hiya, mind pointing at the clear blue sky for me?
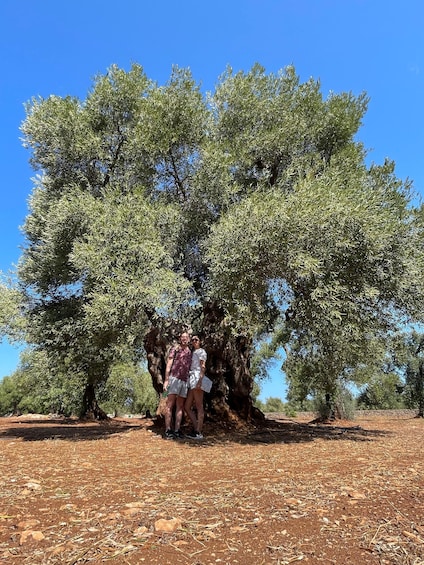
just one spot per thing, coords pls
(53, 47)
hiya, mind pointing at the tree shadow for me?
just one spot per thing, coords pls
(268, 431)
(277, 432)
(64, 429)
(298, 432)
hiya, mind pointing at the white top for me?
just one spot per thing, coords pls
(197, 356)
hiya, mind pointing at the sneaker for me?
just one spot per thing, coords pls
(169, 434)
(195, 435)
(178, 434)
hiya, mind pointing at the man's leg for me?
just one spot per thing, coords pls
(170, 402)
(179, 412)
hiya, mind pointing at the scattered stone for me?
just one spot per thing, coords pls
(27, 524)
(356, 495)
(132, 511)
(142, 530)
(32, 485)
(36, 535)
(168, 525)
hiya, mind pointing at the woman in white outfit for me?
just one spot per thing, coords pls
(195, 392)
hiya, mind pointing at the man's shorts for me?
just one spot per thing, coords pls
(177, 386)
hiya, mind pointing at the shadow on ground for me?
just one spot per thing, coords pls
(64, 429)
(277, 431)
(266, 432)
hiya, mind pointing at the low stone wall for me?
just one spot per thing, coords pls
(401, 413)
(358, 414)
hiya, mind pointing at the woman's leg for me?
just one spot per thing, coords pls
(198, 400)
(188, 408)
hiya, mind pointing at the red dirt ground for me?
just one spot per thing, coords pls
(286, 492)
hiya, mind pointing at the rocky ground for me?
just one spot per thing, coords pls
(285, 492)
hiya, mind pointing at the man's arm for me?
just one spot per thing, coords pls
(168, 368)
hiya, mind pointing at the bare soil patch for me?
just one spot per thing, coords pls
(284, 492)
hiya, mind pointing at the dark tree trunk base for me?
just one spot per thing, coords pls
(90, 409)
(98, 415)
(160, 410)
(227, 365)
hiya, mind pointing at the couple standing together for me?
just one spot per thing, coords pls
(184, 373)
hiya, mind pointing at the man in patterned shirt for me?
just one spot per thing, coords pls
(176, 384)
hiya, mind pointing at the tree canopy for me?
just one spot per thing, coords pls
(248, 214)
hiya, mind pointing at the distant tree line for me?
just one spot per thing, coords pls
(34, 388)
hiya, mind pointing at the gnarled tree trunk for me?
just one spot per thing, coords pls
(227, 365)
(90, 407)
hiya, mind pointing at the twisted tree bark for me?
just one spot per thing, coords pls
(228, 364)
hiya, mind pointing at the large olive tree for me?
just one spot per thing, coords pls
(238, 213)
